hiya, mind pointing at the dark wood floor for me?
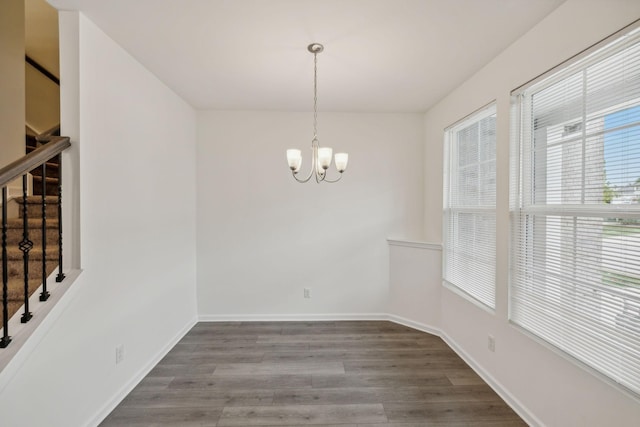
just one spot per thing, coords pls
(311, 373)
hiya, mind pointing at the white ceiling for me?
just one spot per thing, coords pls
(380, 55)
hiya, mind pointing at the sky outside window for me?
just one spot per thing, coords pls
(622, 147)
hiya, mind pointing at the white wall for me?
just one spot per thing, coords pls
(137, 197)
(414, 294)
(554, 390)
(42, 101)
(262, 237)
(11, 81)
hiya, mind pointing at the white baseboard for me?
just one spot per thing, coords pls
(509, 398)
(514, 403)
(139, 376)
(290, 317)
(414, 325)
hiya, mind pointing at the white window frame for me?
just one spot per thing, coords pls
(530, 300)
(478, 288)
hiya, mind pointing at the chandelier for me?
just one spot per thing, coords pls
(320, 156)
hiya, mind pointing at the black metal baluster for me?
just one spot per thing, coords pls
(60, 277)
(44, 295)
(25, 246)
(6, 339)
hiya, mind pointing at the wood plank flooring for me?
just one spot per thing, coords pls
(347, 374)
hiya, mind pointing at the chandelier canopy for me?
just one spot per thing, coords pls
(320, 156)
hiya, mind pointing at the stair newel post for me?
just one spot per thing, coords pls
(60, 277)
(6, 339)
(44, 295)
(25, 246)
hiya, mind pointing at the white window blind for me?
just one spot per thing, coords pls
(470, 206)
(575, 260)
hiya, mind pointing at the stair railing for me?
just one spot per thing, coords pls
(9, 173)
(35, 64)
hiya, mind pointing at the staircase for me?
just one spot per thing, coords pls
(34, 215)
(53, 167)
(42, 163)
(15, 255)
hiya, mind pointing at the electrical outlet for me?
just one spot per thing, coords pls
(119, 353)
(307, 293)
(491, 343)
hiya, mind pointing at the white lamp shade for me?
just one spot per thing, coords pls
(341, 161)
(324, 157)
(294, 158)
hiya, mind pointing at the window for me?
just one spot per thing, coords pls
(470, 206)
(575, 210)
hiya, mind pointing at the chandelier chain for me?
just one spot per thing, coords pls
(315, 95)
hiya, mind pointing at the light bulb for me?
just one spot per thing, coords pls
(341, 161)
(294, 158)
(324, 157)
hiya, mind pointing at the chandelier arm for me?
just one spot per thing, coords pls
(332, 181)
(314, 160)
(302, 180)
(305, 179)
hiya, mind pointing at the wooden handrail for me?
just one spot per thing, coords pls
(35, 64)
(40, 155)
